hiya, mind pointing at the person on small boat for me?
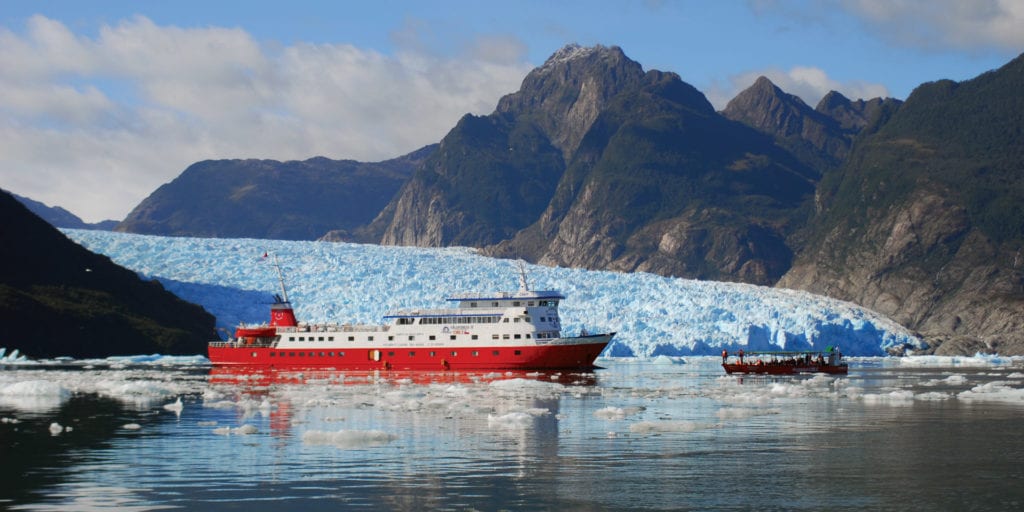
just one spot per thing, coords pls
(725, 355)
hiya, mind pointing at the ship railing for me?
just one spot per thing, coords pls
(241, 344)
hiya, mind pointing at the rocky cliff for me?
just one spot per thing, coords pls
(925, 221)
(58, 299)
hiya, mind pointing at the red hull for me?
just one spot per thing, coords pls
(543, 357)
(784, 369)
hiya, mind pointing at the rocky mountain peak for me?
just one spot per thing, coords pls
(767, 108)
(565, 94)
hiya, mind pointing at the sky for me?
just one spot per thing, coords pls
(101, 102)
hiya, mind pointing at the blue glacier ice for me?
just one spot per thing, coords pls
(355, 283)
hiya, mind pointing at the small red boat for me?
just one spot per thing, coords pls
(786, 363)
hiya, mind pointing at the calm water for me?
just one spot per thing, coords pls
(637, 435)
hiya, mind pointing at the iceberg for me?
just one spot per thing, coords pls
(358, 283)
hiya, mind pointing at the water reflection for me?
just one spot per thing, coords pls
(633, 436)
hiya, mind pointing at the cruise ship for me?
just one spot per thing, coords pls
(518, 330)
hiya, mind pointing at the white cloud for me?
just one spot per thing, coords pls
(808, 83)
(96, 124)
(942, 24)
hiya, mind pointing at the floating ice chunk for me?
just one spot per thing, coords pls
(512, 420)
(33, 395)
(993, 392)
(666, 360)
(933, 396)
(657, 427)
(952, 380)
(131, 426)
(56, 429)
(739, 413)
(244, 430)
(175, 407)
(348, 439)
(898, 397)
(12, 421)
(616, 413)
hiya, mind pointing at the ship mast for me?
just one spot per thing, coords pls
(523, 284)
(280, 279)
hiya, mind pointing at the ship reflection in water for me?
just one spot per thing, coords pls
(636, 435)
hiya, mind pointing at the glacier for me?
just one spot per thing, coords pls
(357, 283)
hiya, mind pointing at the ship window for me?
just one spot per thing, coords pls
(516, 304)
(519, 352)
(302, 338)
(291, 354)
(412, 338)
(475, 353)
(527, 319)
(391, 353)
(494, 352)
(291, 338)
(321, 354)
(504, 320)
(369, 338)
(272, 354)
(330, 338)
(412, 354)
(311, 354)
(494, 304)
(341, 354)
(529, 303)
(518, 336)
(474, 337)
(516, 320)
(391, 338)
(254, 354)
(472, 304)
(454, 353)
(351, 338)
(527, 335)
(302, 354)
(453, 336)
(494, 336)
(330, 354)
(321, 338)
(432, 337)
(504, 336)
(432, 353)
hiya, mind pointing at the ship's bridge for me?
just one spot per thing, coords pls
(521, 298)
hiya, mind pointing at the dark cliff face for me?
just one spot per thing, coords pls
(58, 299)
(925, 221)
(270, 199)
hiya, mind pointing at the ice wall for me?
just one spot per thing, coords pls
(355, 283)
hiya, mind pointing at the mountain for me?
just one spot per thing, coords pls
(819, 137)
(294, 200)
(596, 163)
(61, 218)
(58, 299)
(925, 220)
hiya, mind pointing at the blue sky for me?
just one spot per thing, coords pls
(103, 101)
